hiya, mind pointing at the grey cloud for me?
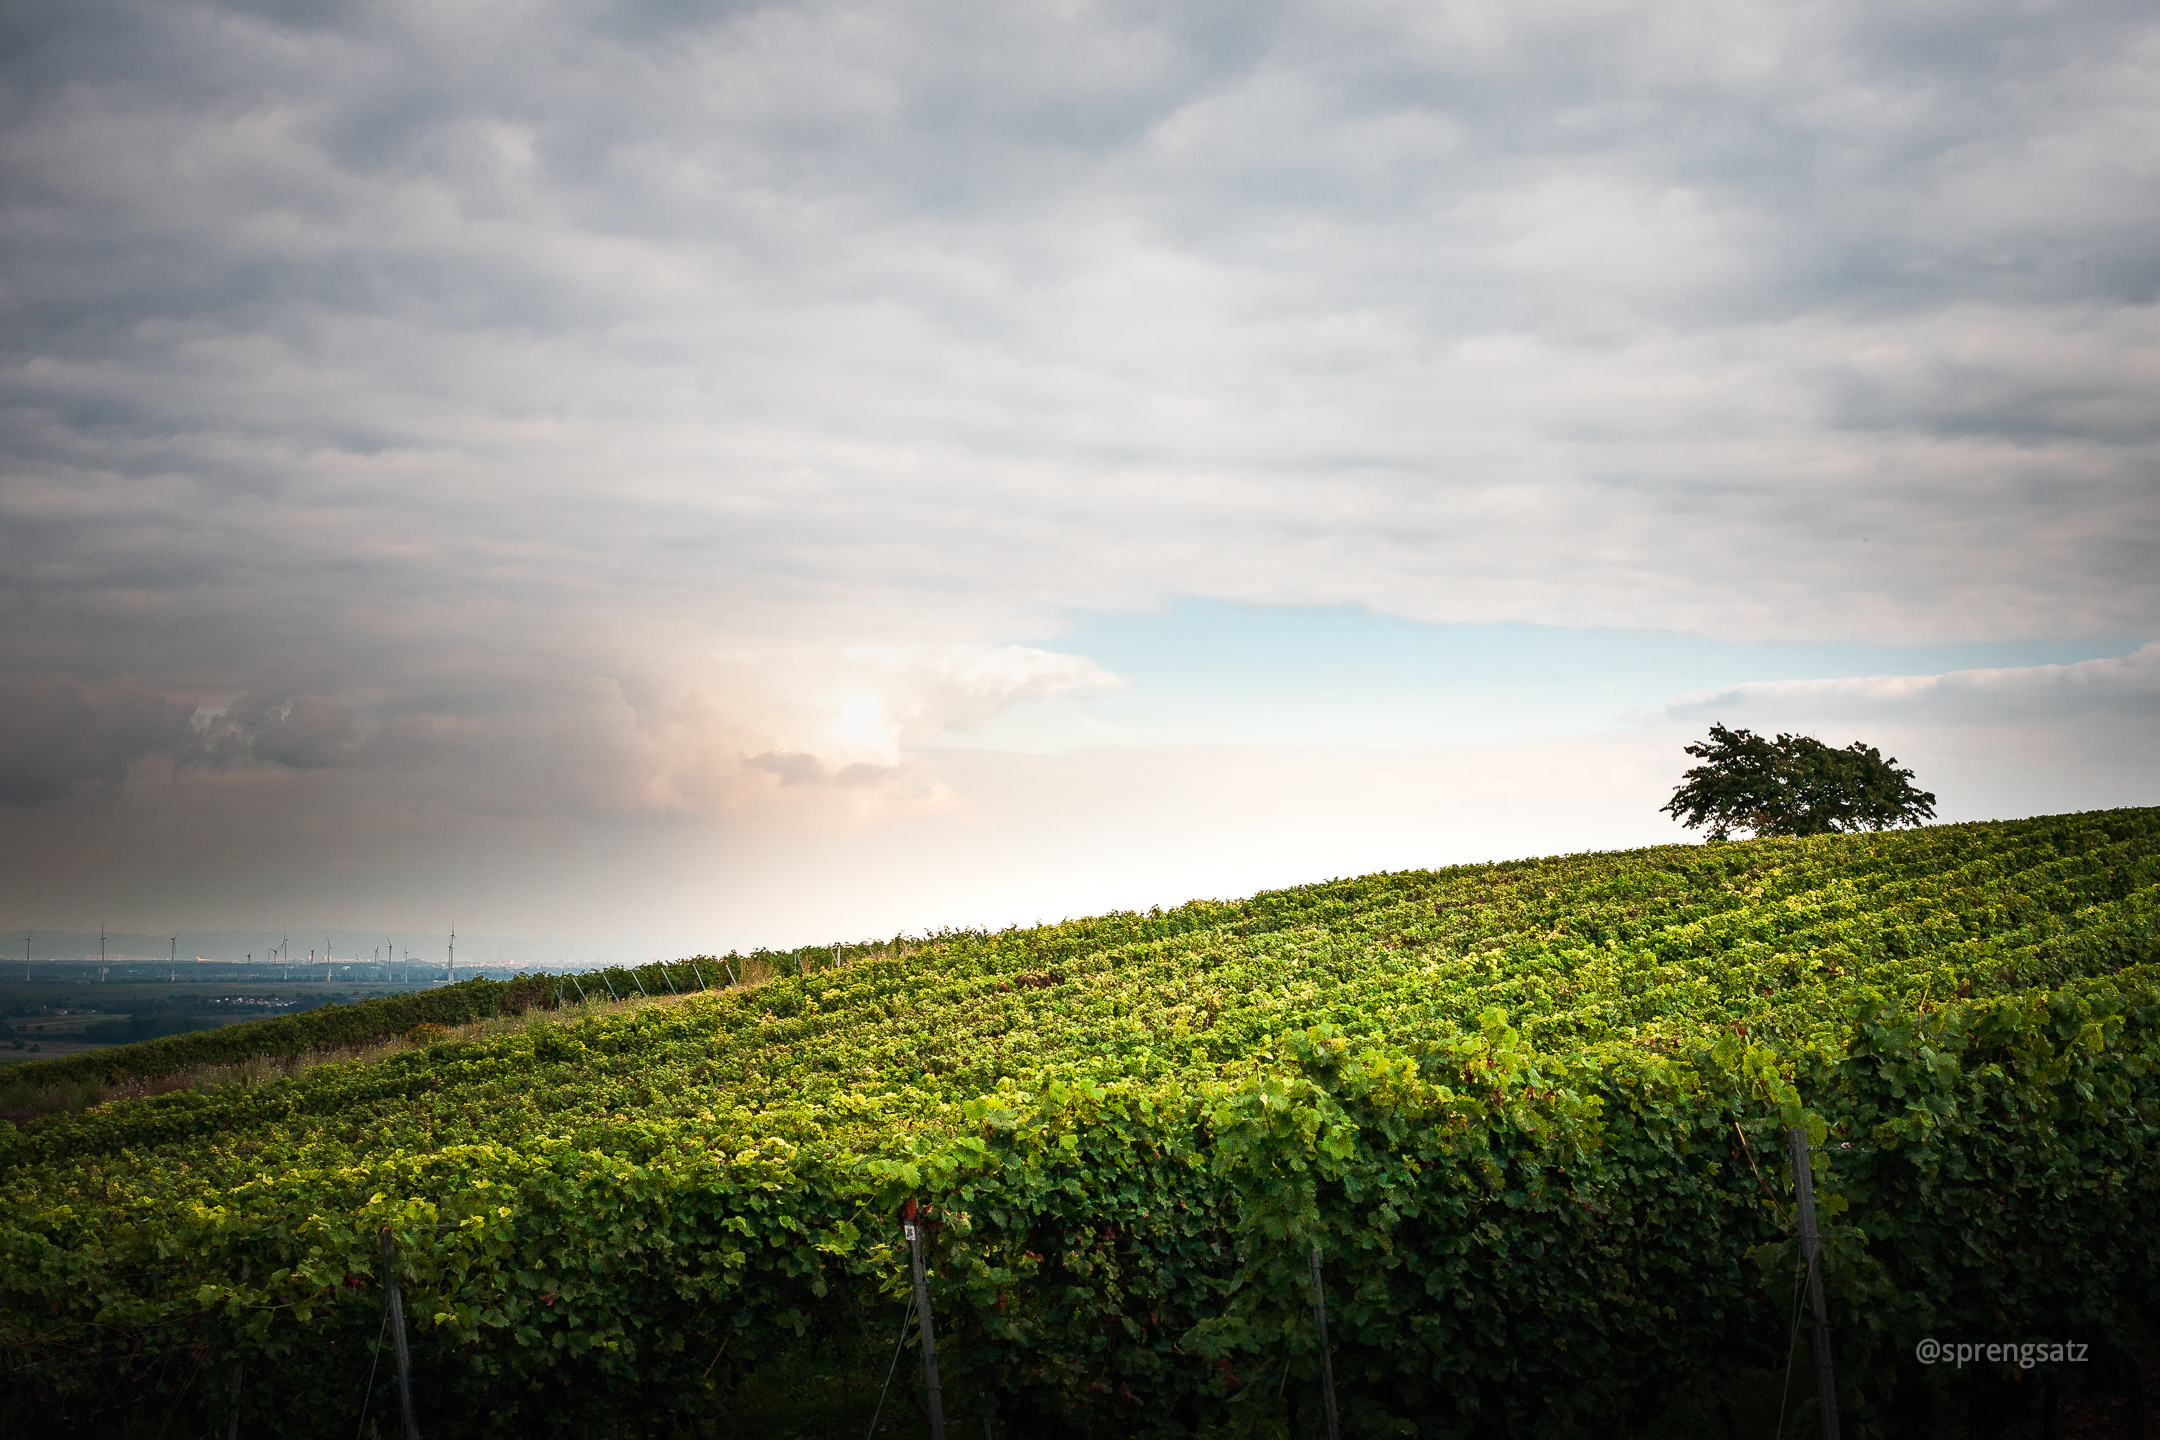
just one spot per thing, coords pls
(792, 769)
(61, 736)
(305, 732)
(477, 378)
(2128, 687)
(800, 769)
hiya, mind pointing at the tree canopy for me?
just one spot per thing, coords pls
(1793, 785)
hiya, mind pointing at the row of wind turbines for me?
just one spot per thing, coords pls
(282, 956)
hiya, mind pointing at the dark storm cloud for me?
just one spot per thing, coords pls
(551, 406)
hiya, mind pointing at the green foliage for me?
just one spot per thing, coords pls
(1531, 1114)
(1793, 785)
(331, 1027)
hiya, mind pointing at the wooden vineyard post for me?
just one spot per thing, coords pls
(1811, 1248)
(1327, 1361)
(394, 1299)
(929, 1332)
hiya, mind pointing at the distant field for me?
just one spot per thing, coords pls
(46, 1019)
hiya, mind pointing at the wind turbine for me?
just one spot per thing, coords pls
(172, 963)
(451, 974)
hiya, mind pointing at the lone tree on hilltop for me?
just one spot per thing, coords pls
(1793, 785)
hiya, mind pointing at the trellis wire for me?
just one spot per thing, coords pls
(367, 1396)
(1792, 1343)
(893, 1368)
(1327, 1362)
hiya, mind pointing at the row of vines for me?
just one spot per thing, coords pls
(1530, 1114)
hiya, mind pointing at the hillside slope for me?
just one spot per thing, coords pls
(1515, 1105)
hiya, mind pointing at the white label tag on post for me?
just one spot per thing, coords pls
(909, 1231)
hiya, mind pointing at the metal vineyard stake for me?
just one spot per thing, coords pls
(395, 1300)
(929, 1331)
(1327, 1362)
(1811, 1247)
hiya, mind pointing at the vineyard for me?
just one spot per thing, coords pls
(1530, 1115)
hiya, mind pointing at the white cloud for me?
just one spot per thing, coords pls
(868, 708)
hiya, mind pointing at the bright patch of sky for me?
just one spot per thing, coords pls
(1208, 671)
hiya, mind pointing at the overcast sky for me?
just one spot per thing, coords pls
(702, 475)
